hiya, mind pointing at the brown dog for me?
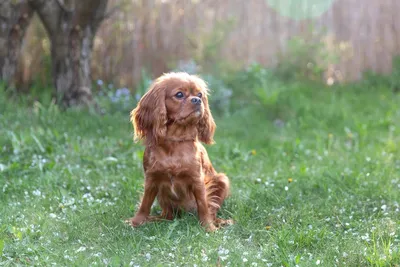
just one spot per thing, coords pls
(173, 118)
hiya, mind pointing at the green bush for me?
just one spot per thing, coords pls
(257, 85)
(305, 59)
(373, 81)
(395, 75)
(112, 100)
(221, 94)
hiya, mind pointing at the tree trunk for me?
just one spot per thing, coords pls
(71, 26)
(15, 17)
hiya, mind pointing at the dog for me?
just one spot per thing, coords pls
(173, 119)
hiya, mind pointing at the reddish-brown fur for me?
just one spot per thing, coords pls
(176, 165)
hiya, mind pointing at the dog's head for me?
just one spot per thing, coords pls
(177, 99)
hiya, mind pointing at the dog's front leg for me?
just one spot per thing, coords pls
(150, 193)
(199, 193)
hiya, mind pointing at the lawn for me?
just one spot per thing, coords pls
(315, 181)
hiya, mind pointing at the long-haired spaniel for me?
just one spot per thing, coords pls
(173, 119)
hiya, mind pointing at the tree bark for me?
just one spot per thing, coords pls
(71, 26)
(15, 17)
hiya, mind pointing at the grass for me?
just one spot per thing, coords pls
(315, 181)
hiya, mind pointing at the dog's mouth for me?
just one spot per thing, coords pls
(197, 113)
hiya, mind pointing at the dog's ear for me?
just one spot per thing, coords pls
(149, 118)
(206, 126)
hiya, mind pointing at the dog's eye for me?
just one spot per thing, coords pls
(200, 95)
(179, 95)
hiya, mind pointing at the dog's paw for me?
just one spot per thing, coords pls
(136, 221)
(211, 228)
(222, 222)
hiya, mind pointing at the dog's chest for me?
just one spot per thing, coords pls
(176, 192)
(175, 172)
(175, 163)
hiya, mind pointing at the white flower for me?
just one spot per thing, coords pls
(245, 260)
(222, 251)
(37, 193)
(318, 262)
(148, 256)
(2, 168)
(88, 197)
(52, 215)
(133, 264)
(81, 249)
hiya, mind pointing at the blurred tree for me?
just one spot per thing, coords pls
(71, 26)
(15, 16)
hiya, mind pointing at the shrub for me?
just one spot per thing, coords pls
(256, 84)
(221, 94)
(395, 75)
(111, 99)
(372, 81)
(313, 57)
(304, 59)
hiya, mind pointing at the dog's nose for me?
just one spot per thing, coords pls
(196, 100)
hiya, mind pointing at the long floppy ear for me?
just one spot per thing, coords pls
(206, 126)
(149, 118)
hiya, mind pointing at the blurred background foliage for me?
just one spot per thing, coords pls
(247, 51)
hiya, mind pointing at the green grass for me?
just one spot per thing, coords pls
(69, 179)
